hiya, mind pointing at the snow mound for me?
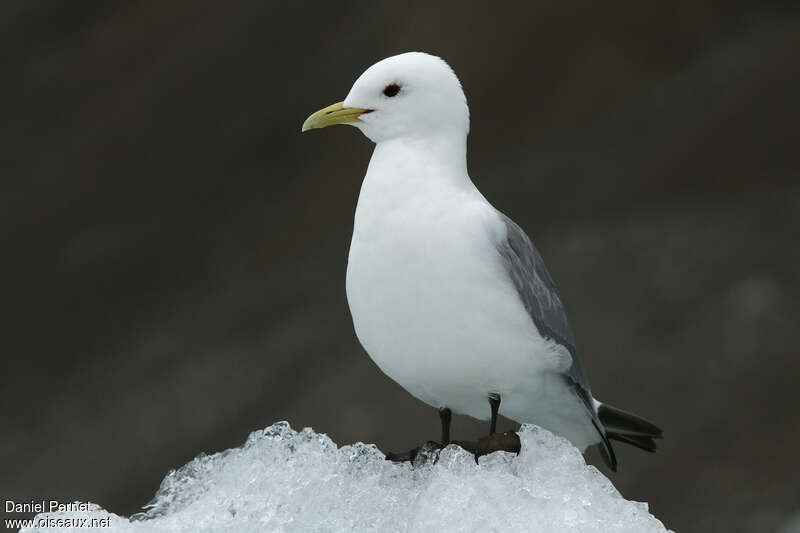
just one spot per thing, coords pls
(289, 481)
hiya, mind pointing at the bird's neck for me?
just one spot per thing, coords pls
(421, 162)
(411, 181)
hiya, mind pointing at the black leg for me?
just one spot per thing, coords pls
(508, 441)
(429, 451)
(494, 402)
(445, 415)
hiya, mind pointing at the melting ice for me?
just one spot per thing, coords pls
(299, 481)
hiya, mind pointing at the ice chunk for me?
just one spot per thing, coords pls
(289, 481)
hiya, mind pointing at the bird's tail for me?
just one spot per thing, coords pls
(626, 427)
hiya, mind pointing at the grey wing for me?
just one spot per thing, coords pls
(538, 293)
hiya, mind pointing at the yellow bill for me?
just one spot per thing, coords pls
(333, 114)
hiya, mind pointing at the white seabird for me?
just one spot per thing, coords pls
(448, 295)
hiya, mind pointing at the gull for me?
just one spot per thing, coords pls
(448, 296)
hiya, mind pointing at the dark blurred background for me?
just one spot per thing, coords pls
(174, 249)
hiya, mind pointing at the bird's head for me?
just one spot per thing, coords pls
(407, 95)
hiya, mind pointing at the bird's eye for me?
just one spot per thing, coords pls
(391, 90)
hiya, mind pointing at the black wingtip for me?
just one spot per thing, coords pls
(606, 450)
(643, 443)
(624, 423)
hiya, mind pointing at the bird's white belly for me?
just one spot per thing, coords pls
(434, 309)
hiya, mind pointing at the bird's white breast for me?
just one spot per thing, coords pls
(430, 300)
